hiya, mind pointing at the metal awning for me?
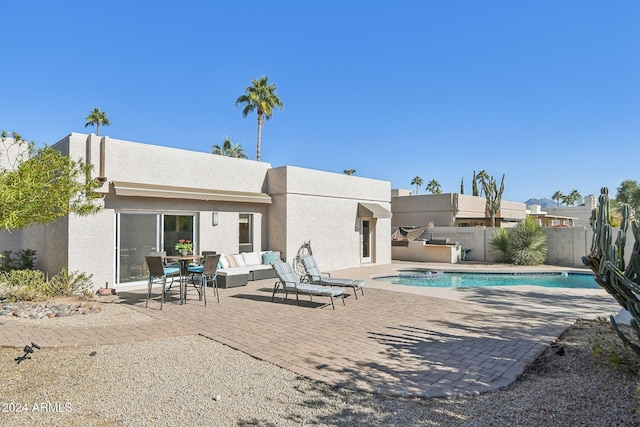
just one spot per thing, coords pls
(171, 192)
(372, 210)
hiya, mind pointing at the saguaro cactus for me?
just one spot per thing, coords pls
(606, 260)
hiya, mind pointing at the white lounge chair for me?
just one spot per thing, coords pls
(290, 282)
(316, 277)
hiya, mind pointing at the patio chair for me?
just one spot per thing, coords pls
(158, 273)
(208, 273)
(166, 264)
(290, 282)
(316, 277)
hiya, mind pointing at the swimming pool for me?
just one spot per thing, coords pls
(432, 279)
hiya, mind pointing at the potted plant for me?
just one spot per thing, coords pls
(184, 247)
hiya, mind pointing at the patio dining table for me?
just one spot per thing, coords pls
(184, 264)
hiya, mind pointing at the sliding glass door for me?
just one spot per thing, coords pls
(138, 234)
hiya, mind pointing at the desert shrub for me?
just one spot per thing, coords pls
(529, 243)
(24, 260)
(73, 283)
(524, 244)
(32, 285)
(500, 240)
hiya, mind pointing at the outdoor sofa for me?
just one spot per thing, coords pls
(237, 269)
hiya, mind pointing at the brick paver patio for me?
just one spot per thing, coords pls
(411, 343)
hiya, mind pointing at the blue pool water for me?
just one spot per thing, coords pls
(475, 280)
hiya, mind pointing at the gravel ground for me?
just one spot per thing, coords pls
(195, 381)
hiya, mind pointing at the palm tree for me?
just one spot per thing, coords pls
(349, 171)
(575, 197)
(229, 149)
(417, 181)
(557, 196)
(261, 97)
(434, 187)
(97, 118)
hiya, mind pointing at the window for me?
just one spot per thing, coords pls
(245, 233)
(138, 234)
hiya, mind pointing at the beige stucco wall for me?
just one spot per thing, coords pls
(421, 210)
(322, 207)
(420, 252)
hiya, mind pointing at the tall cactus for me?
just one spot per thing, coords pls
(606, 260)
(494, 197)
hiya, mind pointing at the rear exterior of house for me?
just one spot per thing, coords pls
(153, 196)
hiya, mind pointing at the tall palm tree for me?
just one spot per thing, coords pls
(575, 197)
(349, 171)
(417, 181)
(434, 187)
(260, 96)
(97, 118)
(229, 149)
(557, 196)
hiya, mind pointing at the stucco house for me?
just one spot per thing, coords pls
(450, 210)
(153, 195)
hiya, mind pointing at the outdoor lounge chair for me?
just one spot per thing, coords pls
(158, 273)
(316, 277)
(290, 282)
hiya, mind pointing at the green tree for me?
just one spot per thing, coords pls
(417, 181)
(434, 187)
(558, 196)
(462, 186)
(42, 185)
(474, 185)
(349, 171)
(575, 197)
(629, 192)
(493, 194)
(229, 149)
(97, 118)
(260, 96)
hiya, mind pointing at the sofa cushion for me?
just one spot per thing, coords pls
(224, 262)
(235, 260)
(233, 271)
(251, 258)
(270, 257)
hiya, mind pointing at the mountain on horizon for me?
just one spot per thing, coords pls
(545, 203)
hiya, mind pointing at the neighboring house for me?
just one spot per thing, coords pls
(546, 219)
(450, 210)
(581, 214)
(153, 196)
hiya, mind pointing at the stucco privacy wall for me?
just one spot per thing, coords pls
(322, 207)
(566, 245)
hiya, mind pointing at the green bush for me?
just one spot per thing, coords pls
(501, 241)
(31, 285)
(524, 244)
(24, 260)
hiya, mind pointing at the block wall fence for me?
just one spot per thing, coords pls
(566, 246)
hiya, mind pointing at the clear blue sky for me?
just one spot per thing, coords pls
(547, 92)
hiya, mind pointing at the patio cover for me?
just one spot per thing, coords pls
(372, 210)
(170, 192)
